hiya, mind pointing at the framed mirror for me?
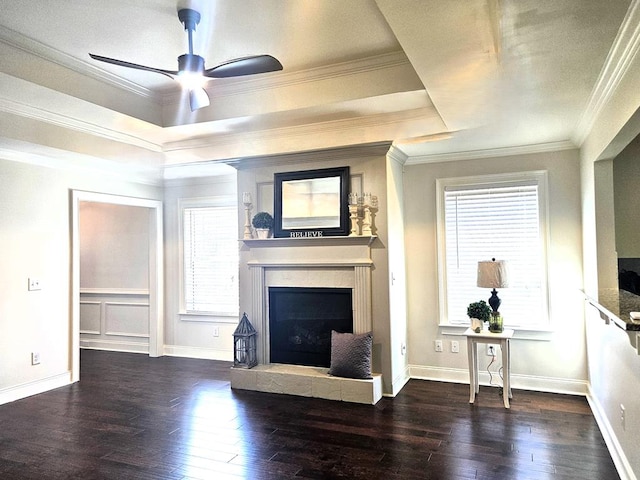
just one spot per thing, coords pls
(312, 203)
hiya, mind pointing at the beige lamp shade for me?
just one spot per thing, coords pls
(493, 274)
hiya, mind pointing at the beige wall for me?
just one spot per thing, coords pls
(195, 337)
(555, 362)
(35, 242)
(114, 246)
(626, 174)
(114, 276)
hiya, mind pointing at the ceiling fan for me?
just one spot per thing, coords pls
(191, 72)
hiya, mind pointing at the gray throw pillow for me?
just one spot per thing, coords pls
(351, 355)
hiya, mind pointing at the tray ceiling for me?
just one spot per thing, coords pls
(437, 78)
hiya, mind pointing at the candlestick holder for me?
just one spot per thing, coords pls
(373, 209)
(353, 216)
(246, 200)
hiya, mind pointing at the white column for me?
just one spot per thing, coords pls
(258, 315)
(362, 321)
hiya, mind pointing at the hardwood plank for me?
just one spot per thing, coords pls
(135, 417)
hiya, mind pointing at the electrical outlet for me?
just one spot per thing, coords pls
(622, 416)
(403, 349)
(216, 331)
(455, 346)
(492, 350)
(438, 345)
(35, 358)
(34, 284)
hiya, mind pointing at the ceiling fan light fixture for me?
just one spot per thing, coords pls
(198, 98)
(190, 63)
(191, 72)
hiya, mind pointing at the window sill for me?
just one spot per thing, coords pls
(207, 317)
(539, 334)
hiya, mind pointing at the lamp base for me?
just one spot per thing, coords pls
(495, 323)
(494, 301)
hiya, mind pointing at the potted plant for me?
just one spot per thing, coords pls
(479, 311)
(263, 223)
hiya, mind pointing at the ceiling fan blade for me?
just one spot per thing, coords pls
(122, 63)
(198, 98)
(244, 66)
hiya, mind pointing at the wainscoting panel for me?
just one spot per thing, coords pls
(114, 319)
(90, 315)
(130, 319)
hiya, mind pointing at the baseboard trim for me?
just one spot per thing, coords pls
(18, 392)
(523, 382)
(198, 352)
(398, 383)
(115, 346)
(615, 449)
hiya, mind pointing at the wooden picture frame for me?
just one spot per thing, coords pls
(311, 203)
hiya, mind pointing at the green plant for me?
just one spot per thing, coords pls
(479, 310)
(262, 220)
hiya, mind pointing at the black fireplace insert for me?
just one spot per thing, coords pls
(301, 320)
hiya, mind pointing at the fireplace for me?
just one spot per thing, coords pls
(325, 264)
(301, 321)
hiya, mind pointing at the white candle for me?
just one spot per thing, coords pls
(246, 197)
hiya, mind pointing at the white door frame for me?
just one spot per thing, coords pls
(156, 271)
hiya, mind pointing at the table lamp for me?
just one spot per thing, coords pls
(493, 274)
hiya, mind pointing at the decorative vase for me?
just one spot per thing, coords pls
(476, 325)
(262, 232)
(495, 323)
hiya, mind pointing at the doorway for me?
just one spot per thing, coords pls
(155, 269)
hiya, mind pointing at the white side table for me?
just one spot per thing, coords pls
(485, 336)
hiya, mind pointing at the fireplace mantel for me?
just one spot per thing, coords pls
(310, 241)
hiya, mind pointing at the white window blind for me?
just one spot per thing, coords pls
(210, 260)
(501, 221)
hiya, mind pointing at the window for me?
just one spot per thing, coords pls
(502, 217)
(210, 257)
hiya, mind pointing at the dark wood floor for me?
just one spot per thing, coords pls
(134, 417)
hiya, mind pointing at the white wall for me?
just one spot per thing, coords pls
(553, 364)
(35, 242)
(397, 275)
(614, 366)
(613, 361)
(184, 336)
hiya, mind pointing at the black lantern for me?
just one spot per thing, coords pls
(244, 344)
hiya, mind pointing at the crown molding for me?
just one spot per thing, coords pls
(621, 55)
(337, 153)
(59, 120)
(397, 156)
(25, 44)
(492, 152)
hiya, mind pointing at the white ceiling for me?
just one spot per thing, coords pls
(441, 78)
